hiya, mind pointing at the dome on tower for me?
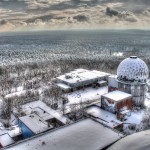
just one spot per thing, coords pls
(133, 69)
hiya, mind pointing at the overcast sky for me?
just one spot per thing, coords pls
(73, 14)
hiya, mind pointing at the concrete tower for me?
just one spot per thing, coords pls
(132, 75)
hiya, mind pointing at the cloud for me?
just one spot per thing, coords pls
(53, 14)
(111, 12)
(5, 25)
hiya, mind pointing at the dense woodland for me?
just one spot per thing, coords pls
(23, 82)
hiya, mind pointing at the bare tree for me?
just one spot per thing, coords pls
(7, 110)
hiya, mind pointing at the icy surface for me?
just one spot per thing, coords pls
(133, 69)
(84, 135)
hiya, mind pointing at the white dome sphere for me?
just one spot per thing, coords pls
(133, 69)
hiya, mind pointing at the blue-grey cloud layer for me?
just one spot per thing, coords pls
(53, 14)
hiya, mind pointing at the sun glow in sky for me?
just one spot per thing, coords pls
(18, 15)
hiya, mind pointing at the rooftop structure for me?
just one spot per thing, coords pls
(117, 102)
(132, 75)
(80, 78)
(34, 123)
(5, 140)
(43, 111)
(117, 96)
(86, 135)
(104, 117)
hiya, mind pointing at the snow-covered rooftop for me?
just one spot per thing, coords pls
(14, 131)
(117, 95)
(52, 113)
(6, 140)
(35, 123)
(81, 75)
(103, 116)
(84, 135)
(42, 113)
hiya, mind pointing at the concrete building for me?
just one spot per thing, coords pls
(132, 75)
(81, 78)
(38, 118)
(33, 124)
(86, 134)
(117, 102)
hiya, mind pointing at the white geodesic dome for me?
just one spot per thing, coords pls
(133, 69)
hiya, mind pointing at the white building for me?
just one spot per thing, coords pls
(80, 78)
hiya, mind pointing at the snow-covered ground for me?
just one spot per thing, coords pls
(86, 95)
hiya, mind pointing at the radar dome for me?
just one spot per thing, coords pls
(133, 69)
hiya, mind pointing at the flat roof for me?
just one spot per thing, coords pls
(29, 107)
(103, 116)
(35, 123)
(63, 86)
(117, 95)
(42, 113)
(80, 75)
(6, 140)
(83, 135)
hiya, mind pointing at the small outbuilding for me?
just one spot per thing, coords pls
(117, 102)
(5, 140)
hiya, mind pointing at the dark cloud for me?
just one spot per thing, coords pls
(81, 18)
(111, 12)
(3, 22)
